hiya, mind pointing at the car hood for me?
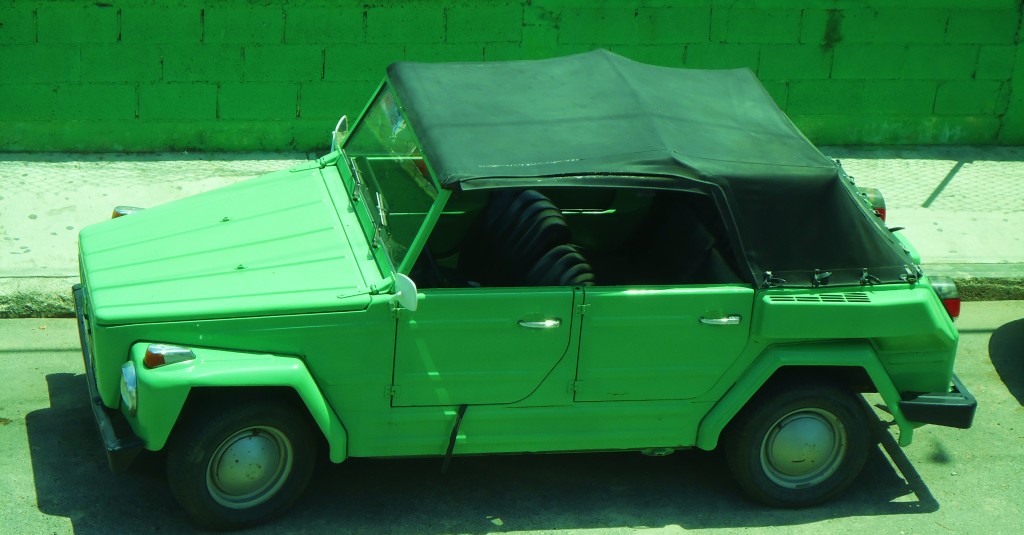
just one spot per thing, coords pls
(275, 244)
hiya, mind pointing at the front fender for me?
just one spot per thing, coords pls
(162, 391)
(844, 354)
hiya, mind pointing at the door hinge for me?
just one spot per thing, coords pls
(391, 391)
(396, 311)
(582, 309)
(575, 386)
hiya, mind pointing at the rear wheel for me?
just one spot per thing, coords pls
(237, 464)
(798, 446)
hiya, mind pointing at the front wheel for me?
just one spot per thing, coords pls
(237, 464)
(798, 446)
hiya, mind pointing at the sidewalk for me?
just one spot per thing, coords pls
(963, 208)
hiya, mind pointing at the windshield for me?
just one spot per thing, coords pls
(392, 181)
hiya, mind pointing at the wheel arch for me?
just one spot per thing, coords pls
(853, 364)
(165, 392)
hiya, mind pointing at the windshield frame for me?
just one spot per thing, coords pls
(370, 201)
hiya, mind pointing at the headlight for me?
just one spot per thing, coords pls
(129, 387)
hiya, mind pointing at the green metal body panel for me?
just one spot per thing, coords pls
(162, 391)
(833, 354)
(445, 353)
(212, 255)
(293, 234)
(642, 343)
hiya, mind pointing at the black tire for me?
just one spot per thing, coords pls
(796, 446)
(205, 462)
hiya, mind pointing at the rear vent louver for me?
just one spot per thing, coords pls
(853, 297)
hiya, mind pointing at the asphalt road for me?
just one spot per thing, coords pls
(54, 478)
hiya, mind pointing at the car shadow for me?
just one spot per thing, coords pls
(1006, 350)
(691, 489)
(72, 478)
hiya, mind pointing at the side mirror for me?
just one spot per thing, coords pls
(405, 292)
(340, 133)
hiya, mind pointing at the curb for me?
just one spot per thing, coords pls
(37, 297)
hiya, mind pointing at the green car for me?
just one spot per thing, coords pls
(574, 254)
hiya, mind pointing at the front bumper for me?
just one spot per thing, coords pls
(950, 409)
(121, 443)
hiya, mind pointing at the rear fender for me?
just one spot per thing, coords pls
(846, 354)
(162, 391)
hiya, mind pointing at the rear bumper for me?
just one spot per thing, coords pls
(121, 443)
(950, 409)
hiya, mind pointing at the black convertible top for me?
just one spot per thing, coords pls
(598, 113)
(601, 119)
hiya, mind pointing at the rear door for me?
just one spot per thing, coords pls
(656, 342)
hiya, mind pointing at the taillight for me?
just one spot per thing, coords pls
(123, 211)
(875, 198)
(948, 294)
(161, 355)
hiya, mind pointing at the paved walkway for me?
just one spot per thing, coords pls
(963, 208)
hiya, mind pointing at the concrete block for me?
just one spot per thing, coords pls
(77, 23)
(544, 12)
(821, 27)
(794, 62)
(668, 55)
(268, 101)
(95, 102)
(971, 97)
(324, 25)
(669, 25)
(292, 62)
(995, 62)
(856, 61)
(331, 100)
(203, 63)
(484, 24)
(599, 25)
(503, 52)
(119, 62)
(722, 56)
(433, 53)
(405, 23)
(779, 92)
(17, 23)
(360, 61)
(313, 135)
(772, 25)
(249, 24)
(159, 24)
(540, 41)
(177, 101)
(851, 25)
(250, 135)
(855, 97)
(27, 102)
(940, 62)
(39, 63)
(916, 25)
(975, 26)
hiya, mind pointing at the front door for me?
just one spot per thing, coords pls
(659, 343)
(479, 345)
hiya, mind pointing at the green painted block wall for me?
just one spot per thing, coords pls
(149, 75)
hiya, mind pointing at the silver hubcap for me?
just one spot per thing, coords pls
(803, 448)
(249, 467)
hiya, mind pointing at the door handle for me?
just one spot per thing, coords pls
(542, 324)
(728, 320)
